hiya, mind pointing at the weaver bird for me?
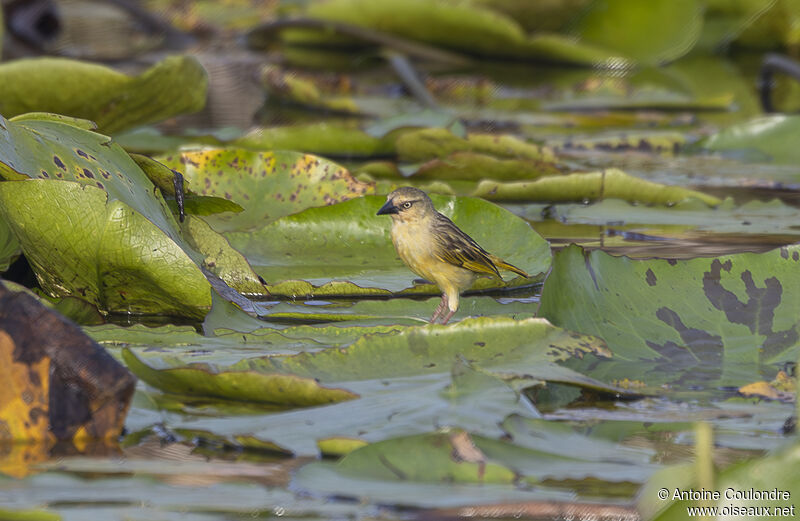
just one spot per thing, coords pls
(436, 249)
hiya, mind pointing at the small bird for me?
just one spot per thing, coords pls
(436, 249)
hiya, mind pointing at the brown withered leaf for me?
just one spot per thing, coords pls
(58, 384)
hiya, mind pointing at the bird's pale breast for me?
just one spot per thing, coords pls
(414, 243)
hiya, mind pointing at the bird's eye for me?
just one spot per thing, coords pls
(407, 205)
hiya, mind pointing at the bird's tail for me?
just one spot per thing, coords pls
(500, 263)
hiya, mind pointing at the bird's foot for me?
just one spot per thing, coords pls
(439, 309)
(448, 316)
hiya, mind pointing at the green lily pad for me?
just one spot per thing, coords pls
(220, 259)
(610, 183)
(290, 87)
(461, 27)
(770, 138)
(502, 344)
(446, 456)
(90, 224)
(113, 100)
(719, 320)
(753, 217)
(9, 246)
(248, 386)
(116, 258)
(347, 242)
(431, 143)
(329, 139)
(652, 33)
(268, 185)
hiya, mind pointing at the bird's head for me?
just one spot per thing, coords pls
(407, 204)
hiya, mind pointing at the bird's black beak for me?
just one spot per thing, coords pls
(388, 208)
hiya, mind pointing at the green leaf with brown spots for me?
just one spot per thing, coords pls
(345, 249)
(246, 385)
(91, 224)
(432, 143)
(704, 321)
(113, 100)
(268, 185)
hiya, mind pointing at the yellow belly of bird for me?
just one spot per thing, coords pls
(413, 243)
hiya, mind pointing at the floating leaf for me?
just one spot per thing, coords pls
(771, 138)
(268, 185)
(348, 241)
(446, 456)
(291, 87)
(329, 139)
(219, 258)
(243, 385)
(610, 183)
(431, 143)
(502, 344)
(701, 320)
(113, 100)
(456, 26)
(661, 31)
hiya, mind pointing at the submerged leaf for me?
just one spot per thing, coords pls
(238, 385)
(518, 348)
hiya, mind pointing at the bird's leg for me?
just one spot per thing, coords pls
(439, 309)
(449, 315)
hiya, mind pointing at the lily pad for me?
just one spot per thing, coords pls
(248, 386)
(501, 344)
(720, 320)
(652, 33)
(116, 259)
(90, 224)
(347, 242)
(448, 456)
(610, 183)
(115, 101)
(326, 138)
(753, 217)
(770, 138)
(268, 185)
(461, 27)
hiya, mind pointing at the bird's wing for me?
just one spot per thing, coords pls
(456, 247)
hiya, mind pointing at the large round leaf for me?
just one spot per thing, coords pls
(649, 32)
(268, 185)
(699, 320)
(348, 243)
